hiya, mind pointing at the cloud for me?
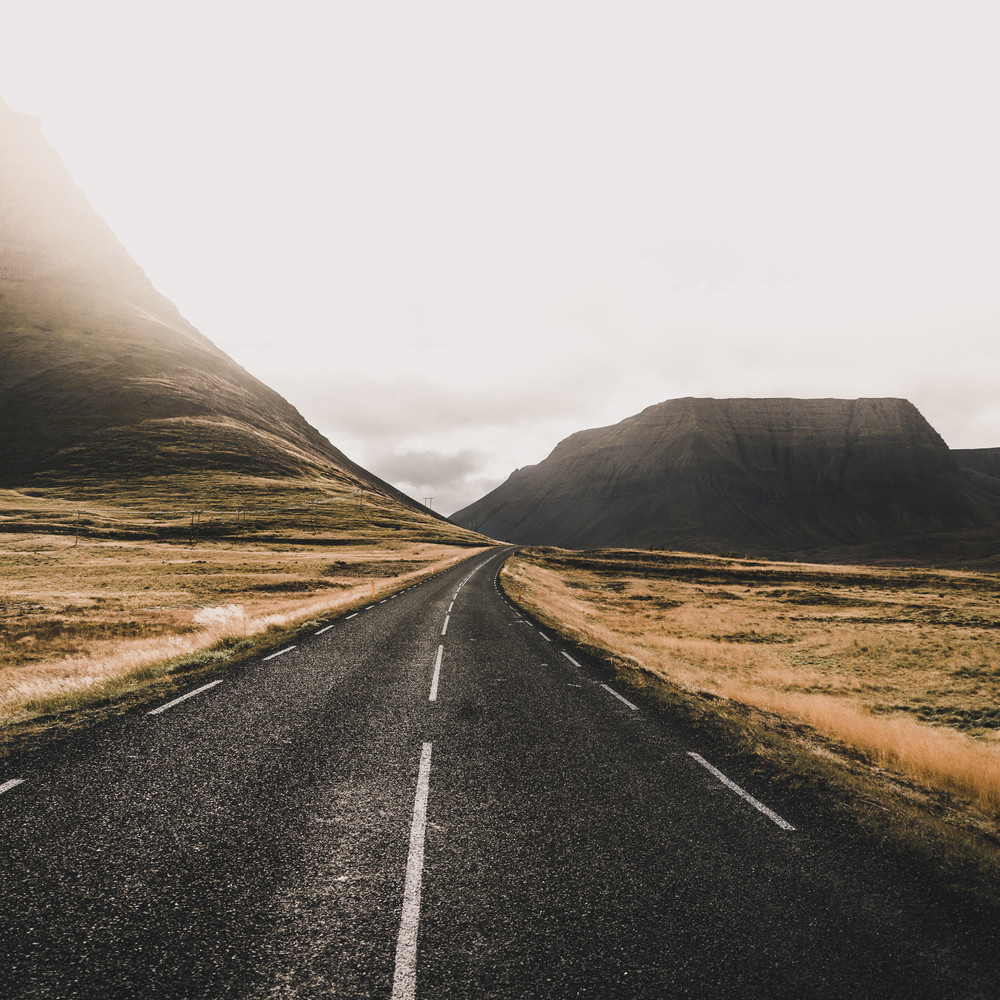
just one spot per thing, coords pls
(448, 480)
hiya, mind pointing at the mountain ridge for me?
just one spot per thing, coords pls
(770, 475)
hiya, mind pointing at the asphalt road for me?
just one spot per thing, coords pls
(434, 798)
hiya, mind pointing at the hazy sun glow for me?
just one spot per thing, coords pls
(452, 233)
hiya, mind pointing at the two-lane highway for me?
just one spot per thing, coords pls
(434, 797)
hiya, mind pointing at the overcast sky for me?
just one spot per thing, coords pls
(453, 233)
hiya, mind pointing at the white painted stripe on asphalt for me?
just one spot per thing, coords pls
(183, 697)
(349, 617)
(8, 785)
(384, 600)
(322, 630)
(624, 701)
(445, 629)
(450, 606)
(437, 674)
(281, 652)
(773, 816)
(368, 607)
(570, 658)
(544, 636)
(404, 983)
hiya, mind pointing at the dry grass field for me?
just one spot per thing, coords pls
(100, 600)
(901, 666)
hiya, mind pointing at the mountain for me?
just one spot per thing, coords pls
(102, 381)
(772, 476)
(982, 460)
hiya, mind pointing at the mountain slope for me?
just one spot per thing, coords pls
(770, 475)
(100, 375)
(982, 460)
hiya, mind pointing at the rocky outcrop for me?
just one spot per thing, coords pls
(767, 475)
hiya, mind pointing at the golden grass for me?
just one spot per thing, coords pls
(902, 665)
(84, 622)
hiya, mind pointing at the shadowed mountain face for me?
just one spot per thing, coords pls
(99, 372)
(983, 460)
(766, 475)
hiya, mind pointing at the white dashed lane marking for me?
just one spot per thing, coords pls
(624, 701)
(437, 674)
(281, 652)
(773, 816)
(404, 983)
(183, 697)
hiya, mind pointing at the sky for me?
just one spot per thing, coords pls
(453, 233)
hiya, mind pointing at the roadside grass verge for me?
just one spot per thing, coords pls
(90, 626)
(39, 701)
(881, 680)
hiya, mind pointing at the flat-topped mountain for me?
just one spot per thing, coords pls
(765, 475)
(101, 378)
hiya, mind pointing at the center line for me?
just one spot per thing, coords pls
(8, 785)
(445, 629)
(404, 983)
(437, 674)
(322, 630)
(349, 617)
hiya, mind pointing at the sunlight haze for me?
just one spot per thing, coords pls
(453, 233)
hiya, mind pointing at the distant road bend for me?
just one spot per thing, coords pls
(434, 798)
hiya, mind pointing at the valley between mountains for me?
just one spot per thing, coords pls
(704, 704)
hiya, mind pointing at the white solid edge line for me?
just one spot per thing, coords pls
(183, 697)
(281, 652)
(322, 630)
(445, 628)
(8, 785)
(624, 701)
(771, 815)
(404, 982)
(568, 657)
(437, 674)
